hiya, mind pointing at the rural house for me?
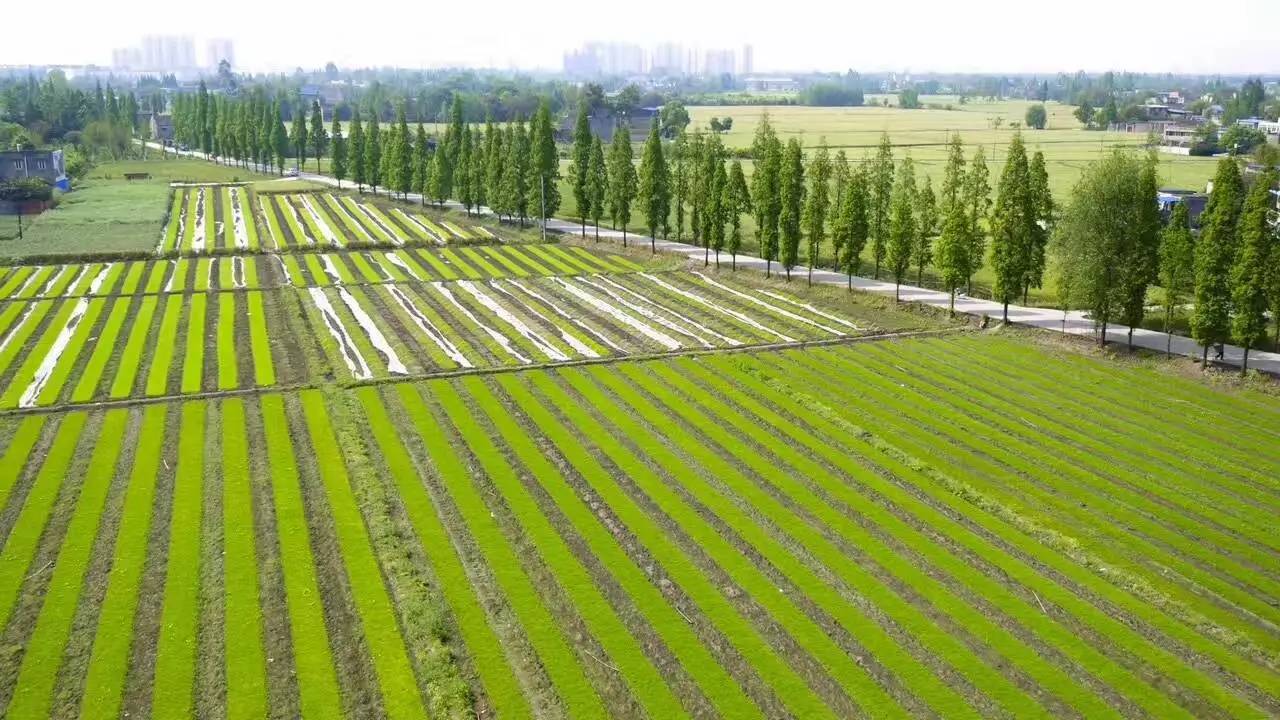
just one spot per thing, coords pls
(46, 165)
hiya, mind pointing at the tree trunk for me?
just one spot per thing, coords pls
(1102, 339)
(1130, 339)
(951, 303)
(920, 276)
(706, 256)
(896, 296)
(1168, 325)
(735, 262)
(584, 226)
(768, 266)
(810, 275)
(1204, 359)
(624, 236)
(597, 231)
(1026, 292)
(968, 287)
(850, 277)
(1006, 311)
(1244, 363)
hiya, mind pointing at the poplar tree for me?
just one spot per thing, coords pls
(680, 178)
(266, 134)
(654, 191)
(1043, 208)
(791, 200)
(766, 149)
(421, 163)
(717, 214)
(817, 203)
(544, 164)
(579, 168)
(737, 201)
(880, 184)
(462, 174)
(339, 164)
(279, 139)
(373, 153)
(977, 200)
(298, 136)
(1215, 253)
(854, 225)
(951, 253)
(516, 183)
(476, 170)
(440, 176)
(404, 155)
(493, 172)
(597, 185)
(696, 152)
(902, 223)
(840, 188)
(1177, 266)
(622, 179)
(1141, 258)
(359, 168)
(926, 228)
(1012, 223)
(319, 138)
(953, 177)
(1250, 275)
(391, 150)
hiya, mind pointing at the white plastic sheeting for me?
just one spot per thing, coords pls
(542, 344)
(428, 328)
(346, 347)
(394, 365)
(498, 337)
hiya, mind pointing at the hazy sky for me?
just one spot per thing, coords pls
(917, 35)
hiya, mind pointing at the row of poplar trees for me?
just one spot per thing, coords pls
(1112, 246)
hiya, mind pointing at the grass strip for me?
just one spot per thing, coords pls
(173, 689)
(366, 271)
(10, 314)
(278, 239)
(227, 355)
(36, 355)
(33, 692)
(617, 262)
(245, 658)
(437, 265)
(400, 695)
(159, 271)
(501, 687)
(14, 280)
(246, 198)
(193, 362)
(456, 261)
(36, 282)
(166, 340)
(371, 228)
(480, 261)
(296, 276)
(646, 683)
(204, 273)
(18, 454)
(19, 336)
(109, 661)
(574, 261)
(553, 649)
(313, 661)
(354, 231)
(67, 361)
(133, 277)
(131, 357)
(384, 221)
(515, 252)
(556, 262)
(84, 277)
(179, 279)
(712, 679)
(319, 277)
(264, 371)
(290, 214)
(114, 270)
(24, 536)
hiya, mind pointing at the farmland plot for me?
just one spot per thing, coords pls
(108, 344)
(207, 218)
(130, 277)
(397, 328)
(329, 220)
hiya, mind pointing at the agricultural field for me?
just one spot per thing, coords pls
(234, 218)
(256, 476)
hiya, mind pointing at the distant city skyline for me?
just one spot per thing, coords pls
(929, 36)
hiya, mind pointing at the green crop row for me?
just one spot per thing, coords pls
(245, 659)
(1009, 528)
(33, 693)
(173, 689)
(539, 625)
(36, 354)
(109, 661)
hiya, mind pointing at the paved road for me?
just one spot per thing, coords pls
(1074, 323)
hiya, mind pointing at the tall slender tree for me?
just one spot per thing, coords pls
(1141, 258)
(622, 179)
(791, 197)
(926, 228)
(880, 183)
(359, 164)
(518, 183)
(579, 168)
(902, 223)
(299, 137)
(1215, 254)
(462, 174)
(339, 164)
(597, 184)
(717, 214)
(373, 153)
(840, 187)
(1250, 275)
(854, 224)
(544, 164)
(1042, 204)
(737, 201)
(319, 138)
(817, 203)
(766, 202)
(403, 158)
(680, 178)
(977, 200)
(653, 190)
(1177, 266)
(1012, 227)
(421, 163)
(493, 172)
(951, 254)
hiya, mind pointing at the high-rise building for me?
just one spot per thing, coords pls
(668, 59)
(168, 53)
(217, 50)
(718, 62)
(606, 59)
(748, 64)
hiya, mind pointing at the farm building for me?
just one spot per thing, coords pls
(1195, 202)
(604, 121)
(47, 165)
